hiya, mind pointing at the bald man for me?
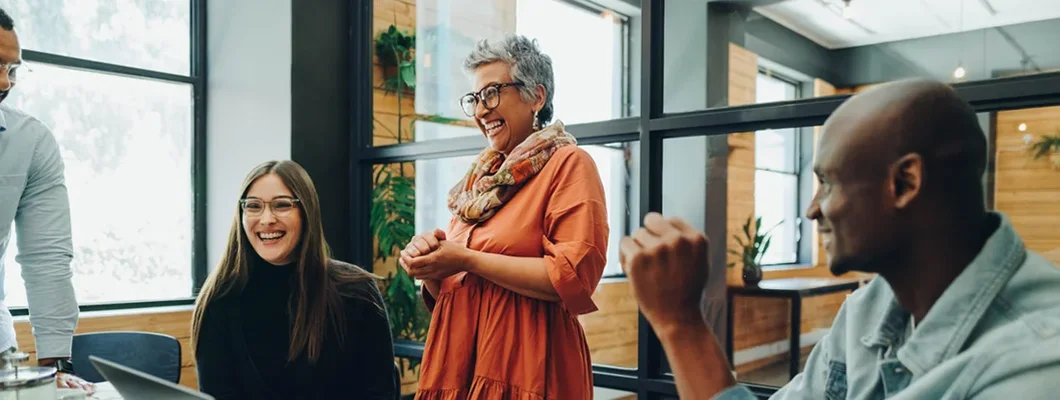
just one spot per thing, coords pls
(960, 308)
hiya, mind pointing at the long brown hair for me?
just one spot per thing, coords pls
(321, 283)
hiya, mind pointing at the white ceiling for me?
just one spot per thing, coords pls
(880, 21)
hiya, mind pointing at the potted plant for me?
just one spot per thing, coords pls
(1046, 145)
(753, 246)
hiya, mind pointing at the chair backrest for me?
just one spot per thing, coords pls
(152, 353)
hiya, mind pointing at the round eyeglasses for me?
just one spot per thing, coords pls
(490, 96)
(280, 206)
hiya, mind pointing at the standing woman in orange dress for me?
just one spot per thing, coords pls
(524, 250)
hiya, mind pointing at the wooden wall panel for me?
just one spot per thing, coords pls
(1027, 190)
(172, 323)
(612, 330)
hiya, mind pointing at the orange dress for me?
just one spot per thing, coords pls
(487, 342)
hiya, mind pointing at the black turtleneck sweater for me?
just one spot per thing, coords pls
(244, 340)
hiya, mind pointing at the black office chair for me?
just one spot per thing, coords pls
(153, 353)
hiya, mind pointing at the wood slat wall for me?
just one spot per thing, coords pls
(612, 330)
(172, 323)
(1027, 190)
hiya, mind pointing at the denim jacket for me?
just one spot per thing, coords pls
(994, 334)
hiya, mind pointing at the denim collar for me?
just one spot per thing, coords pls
(946, 327)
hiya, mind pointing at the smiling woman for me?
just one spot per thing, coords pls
(524, 250)
(278, 315)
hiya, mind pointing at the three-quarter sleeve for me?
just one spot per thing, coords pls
(576, 230)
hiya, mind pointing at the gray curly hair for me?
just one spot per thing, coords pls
(529, 66)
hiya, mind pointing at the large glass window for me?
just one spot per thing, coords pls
(148, 34)
(777, 161)
(126, 141)
(423, 82)
(786, 51)
(589, 70)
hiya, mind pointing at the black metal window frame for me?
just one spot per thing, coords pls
(649, 380)
(197, 79)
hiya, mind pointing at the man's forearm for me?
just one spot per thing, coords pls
(700, 368)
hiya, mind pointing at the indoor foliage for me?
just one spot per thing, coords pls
(753, 246)
(1047, 145)
(393, 214)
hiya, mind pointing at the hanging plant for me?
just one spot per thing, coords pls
(1046, 146)
(395, 50)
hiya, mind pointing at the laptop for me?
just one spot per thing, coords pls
(136, 385)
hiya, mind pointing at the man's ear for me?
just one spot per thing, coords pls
(907, 179)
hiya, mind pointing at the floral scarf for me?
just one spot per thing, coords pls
(493, 178)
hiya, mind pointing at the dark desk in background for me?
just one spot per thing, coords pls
(794, 289)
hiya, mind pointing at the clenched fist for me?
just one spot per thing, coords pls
(666, 262)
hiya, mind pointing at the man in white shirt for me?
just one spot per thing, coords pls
(33, 196)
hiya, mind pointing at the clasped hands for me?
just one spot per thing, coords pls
(665, 261)
(667, 266)
(429, 256)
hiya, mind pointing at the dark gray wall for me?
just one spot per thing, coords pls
(320, 125)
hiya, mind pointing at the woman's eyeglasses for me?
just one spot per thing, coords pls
(281, 206)
(490, 96)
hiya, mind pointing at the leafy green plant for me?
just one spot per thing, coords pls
(753, 245)
(1046, 145)
(396, 49)
(393, 218)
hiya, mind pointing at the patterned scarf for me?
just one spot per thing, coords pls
(493, 179)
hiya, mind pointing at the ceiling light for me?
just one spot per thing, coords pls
(1022, 127)
(608, 15)
(959, 72)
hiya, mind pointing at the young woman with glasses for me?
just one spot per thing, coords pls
(524, 250)
(278, 318)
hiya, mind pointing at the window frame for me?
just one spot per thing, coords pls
(197, 79)
(650, 379)
(624, 34)
(798, 156)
